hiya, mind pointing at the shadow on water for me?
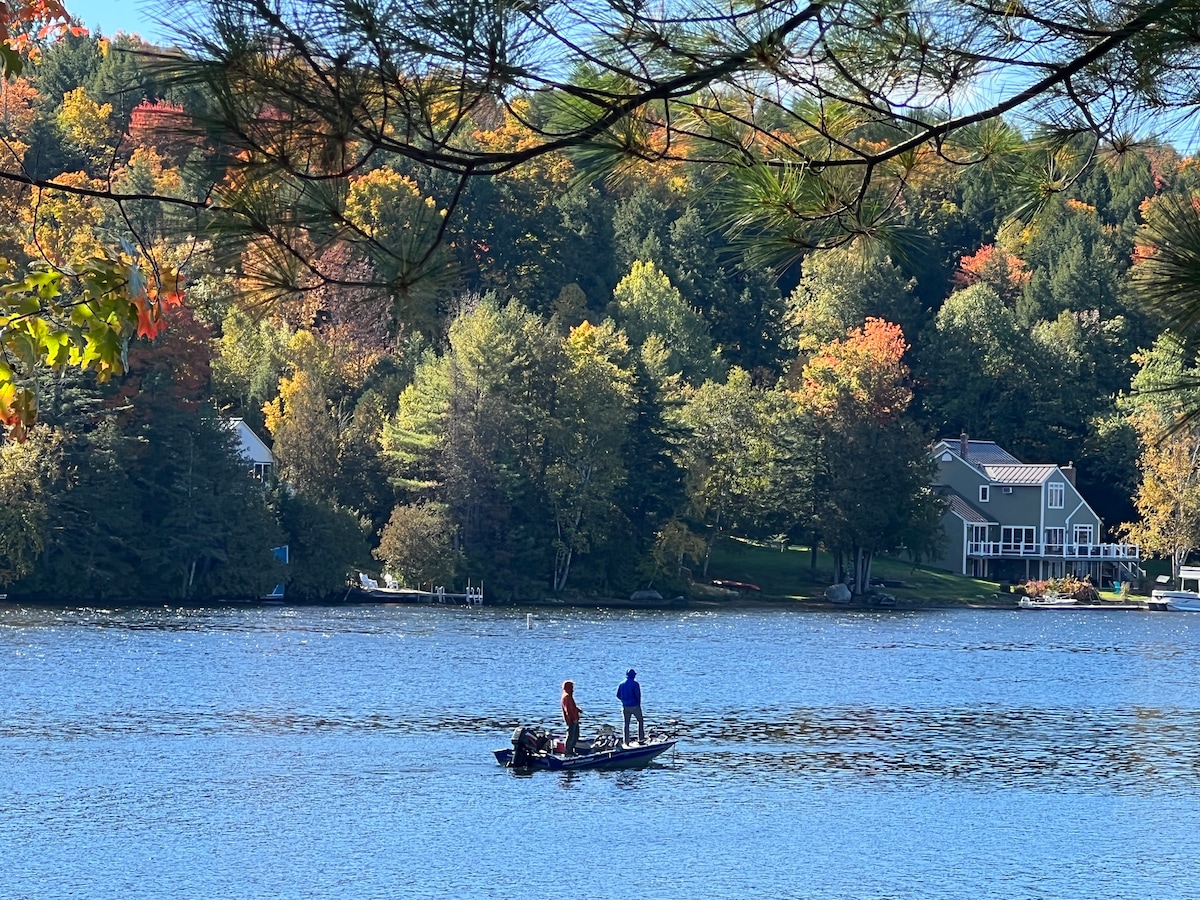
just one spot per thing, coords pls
(233, 619)
(1132, 749)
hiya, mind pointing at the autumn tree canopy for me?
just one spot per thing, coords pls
(808, 121)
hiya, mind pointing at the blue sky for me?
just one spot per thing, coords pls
(112, 16)
(138, 16)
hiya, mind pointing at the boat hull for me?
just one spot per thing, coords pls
(1048, 603)
(1179, 601)
(619, 758)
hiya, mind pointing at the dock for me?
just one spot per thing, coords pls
(370, 589)
(1151, 605)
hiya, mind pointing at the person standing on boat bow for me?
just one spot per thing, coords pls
(630, 695)
(571, 716)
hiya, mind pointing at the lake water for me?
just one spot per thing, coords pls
(345, 752)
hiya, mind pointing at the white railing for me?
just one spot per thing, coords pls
(1023, 549)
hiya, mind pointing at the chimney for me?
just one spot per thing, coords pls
(962, 445)
(1069, 471)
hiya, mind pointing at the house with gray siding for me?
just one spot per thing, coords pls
(1006, 520)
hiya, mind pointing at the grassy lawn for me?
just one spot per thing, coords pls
(784, 575)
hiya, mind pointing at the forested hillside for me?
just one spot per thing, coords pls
(579, 383)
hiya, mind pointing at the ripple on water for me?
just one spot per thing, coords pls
(180, 753)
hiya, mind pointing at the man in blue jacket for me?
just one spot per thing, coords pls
(630, 695)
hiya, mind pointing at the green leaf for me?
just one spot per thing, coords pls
(24, 346)
(28, 306)
(11, 63)
(104, 346)
(56, 344)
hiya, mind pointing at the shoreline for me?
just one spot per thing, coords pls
(740, 602)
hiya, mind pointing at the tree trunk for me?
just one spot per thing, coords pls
(862, 570)
(862, 562)
(560, 577)
(708, 545)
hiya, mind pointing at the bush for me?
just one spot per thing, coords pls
(1069, 586)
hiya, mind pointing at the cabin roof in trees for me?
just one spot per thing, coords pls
(993, 462)
(252, 447)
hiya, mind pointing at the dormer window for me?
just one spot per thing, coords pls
(985, 493)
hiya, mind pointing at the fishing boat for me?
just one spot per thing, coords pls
(537, 748)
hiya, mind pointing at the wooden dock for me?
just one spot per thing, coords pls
(369, 589)
(1152, 605)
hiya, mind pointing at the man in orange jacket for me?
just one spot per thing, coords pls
(571, 715)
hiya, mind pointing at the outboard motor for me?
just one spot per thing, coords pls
(525, 745)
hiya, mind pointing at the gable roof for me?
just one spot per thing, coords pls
(979, 453)
(986, 453)
(252, 447)
(995, 463)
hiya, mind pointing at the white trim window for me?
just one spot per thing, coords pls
(1055, 538)
(1018, 538)
(1056, 493)
(985, 493)
(1082, 534)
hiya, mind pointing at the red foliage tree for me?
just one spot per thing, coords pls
(163, 126)
(22, 22)
(995, 267)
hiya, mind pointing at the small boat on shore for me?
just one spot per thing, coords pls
(1181, 600)
(1048, 601)
(1178, 601)
(537, 748)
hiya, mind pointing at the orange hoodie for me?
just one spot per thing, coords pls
(570, 710)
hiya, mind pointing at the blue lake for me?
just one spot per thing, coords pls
(345, 752)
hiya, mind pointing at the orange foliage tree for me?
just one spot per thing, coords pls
(163, 126)
(78, 303)
(24, 21)
(873, 469)
(994, 266)
(862, 376)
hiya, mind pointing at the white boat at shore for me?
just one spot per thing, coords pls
(1181, 600)
(1047, 601)
(391, 592)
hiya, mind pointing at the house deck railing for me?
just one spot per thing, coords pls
(1022, 550)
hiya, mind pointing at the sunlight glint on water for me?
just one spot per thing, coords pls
(346, 752)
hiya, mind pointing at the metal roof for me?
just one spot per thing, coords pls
(987, 453)
(981, 453)
(966, 511)
(1019, 474)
